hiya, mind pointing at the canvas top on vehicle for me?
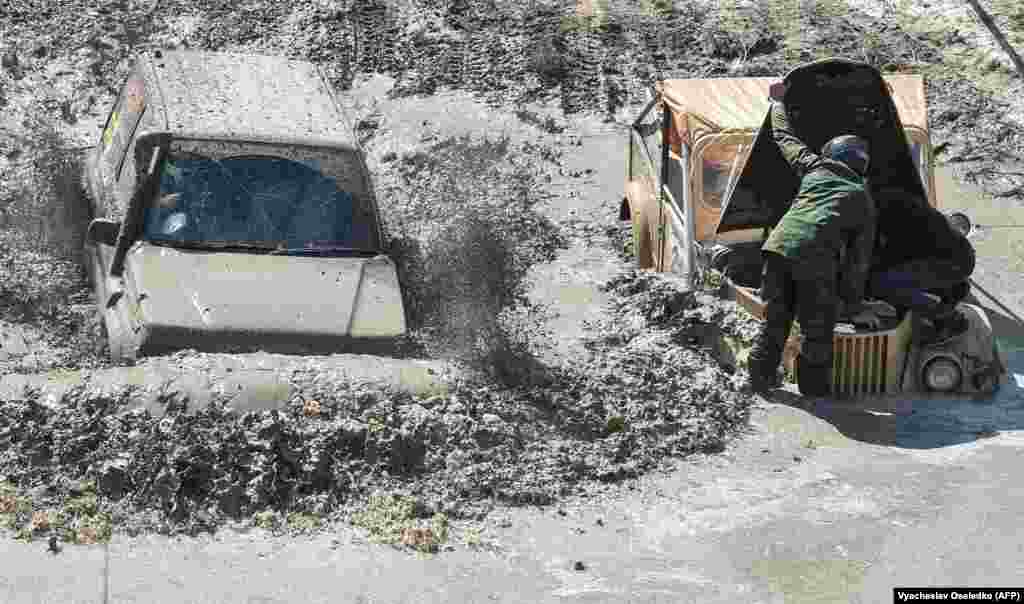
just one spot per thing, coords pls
(702, 107)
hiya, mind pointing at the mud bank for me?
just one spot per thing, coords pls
(232, 435)
(251, 382)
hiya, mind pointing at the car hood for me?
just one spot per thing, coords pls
(252, 293)
(819, 91)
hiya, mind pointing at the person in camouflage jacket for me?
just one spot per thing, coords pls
(828, 231)
(927, 275)
(793, 149)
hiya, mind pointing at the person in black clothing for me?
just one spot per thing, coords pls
(926, 273)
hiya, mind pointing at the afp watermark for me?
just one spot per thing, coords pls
(957, 594)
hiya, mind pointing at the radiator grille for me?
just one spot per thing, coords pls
(869, 363)
(864, 364)
(859, 366)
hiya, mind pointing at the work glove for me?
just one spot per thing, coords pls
(868, 313)
(881, 308)
(866, 318)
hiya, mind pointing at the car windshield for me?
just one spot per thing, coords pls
(720, 162)
(261, 197)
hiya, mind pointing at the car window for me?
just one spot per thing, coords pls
(720, 161)
(128, 157)
(639, 166)
(264, 200)
(645, 153)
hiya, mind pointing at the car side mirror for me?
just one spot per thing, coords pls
(154, 162)
(103, 231)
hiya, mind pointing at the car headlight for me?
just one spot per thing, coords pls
(942, 374)
(960, 223)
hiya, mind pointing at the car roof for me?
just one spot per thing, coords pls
(246, 97)
(718, 104)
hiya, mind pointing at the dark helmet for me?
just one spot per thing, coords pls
(849, 149)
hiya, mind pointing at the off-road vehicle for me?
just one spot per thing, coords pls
(233, 210)
(706, 182)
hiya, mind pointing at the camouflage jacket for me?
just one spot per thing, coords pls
(829, 228)
(796, 152)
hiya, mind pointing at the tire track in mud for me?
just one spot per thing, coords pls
(506, 54)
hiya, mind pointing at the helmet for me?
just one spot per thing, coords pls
(849, 149)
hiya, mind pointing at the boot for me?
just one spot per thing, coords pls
(762, 375)
(814, 382)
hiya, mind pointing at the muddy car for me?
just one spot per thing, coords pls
(706, 183)
(233, 210)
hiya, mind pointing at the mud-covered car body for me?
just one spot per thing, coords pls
(233, 210)
(706, 182)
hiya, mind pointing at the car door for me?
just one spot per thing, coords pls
(659, 238)
(640, 190)
(118, 177)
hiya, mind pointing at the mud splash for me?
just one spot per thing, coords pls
(462, 448)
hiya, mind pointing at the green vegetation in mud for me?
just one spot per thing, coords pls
(14, 507)
(712, 280)
(64, 376)
(796, 425)
(952, 45)
(739, 350)
(396, 520)
(304, 521)
(742, 27)
(421, 382)
(135, 376)
(817, 581)
(80, 519)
